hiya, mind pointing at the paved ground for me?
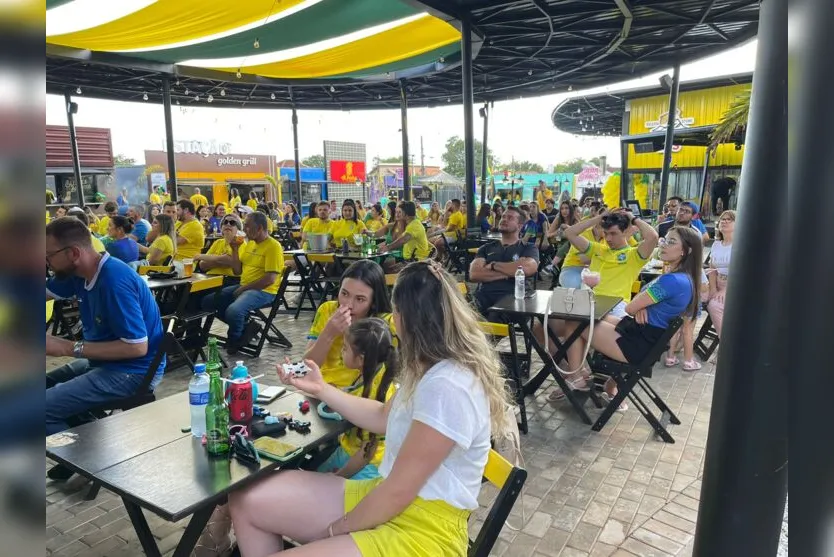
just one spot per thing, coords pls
(620, 492)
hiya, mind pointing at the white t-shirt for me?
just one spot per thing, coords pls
(450, 400)
(719, 257)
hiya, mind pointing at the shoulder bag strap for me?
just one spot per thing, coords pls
(591, 304)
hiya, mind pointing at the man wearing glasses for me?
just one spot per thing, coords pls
(260, 264)
(122, 328)
(683, 217)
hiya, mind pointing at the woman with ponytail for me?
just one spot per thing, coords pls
(437, 427)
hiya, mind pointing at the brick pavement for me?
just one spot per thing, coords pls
(618, 493)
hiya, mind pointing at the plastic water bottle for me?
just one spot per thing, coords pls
(198, 397)
(520, 281)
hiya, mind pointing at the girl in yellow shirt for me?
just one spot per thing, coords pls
(235, 200)
(165, 244)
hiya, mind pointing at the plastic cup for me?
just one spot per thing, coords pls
(187, 267)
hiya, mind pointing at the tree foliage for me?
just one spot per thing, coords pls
(391, 160)
(523, 166)
(454, 161)
(573, 166)
(733, 121)
(123, 160)
(314, 161)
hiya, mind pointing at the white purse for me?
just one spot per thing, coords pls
(571, 301)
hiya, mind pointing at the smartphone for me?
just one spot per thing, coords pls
(268, 394)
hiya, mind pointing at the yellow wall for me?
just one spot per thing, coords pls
(220, 191)
(705, 107)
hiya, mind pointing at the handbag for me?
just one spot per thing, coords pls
(570, 301)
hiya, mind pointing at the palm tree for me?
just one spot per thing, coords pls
(733, 121)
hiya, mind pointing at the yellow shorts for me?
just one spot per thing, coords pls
(424, 528)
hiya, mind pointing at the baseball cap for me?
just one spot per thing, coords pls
(244, 209)
(691, 205)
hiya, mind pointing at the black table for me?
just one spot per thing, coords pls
(143, 456)
(521, 311)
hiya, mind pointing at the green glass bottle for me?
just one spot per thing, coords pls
(213, 363)
(217, 418)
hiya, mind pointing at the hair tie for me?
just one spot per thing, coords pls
(435, 268)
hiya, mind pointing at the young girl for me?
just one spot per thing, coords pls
(369, 347)
(437, 431)
(165, 242)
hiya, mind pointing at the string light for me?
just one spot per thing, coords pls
(238, 74)
(570, 87)
(378, 97)
(272, 96)
(442, 59)
(210, 98)
(78, 91)
(186, 90)
(529, 72)
(257, 43)
(222, 92)
(197, 98)
(144, 96)
(332, 89)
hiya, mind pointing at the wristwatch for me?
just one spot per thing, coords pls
(633, 219)
(78, 349)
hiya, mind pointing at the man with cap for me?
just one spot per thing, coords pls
(684, 217)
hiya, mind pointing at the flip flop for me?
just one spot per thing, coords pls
(579, 384)
(608, 398)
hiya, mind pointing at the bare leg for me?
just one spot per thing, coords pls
(296, 504)
(605, 341)
(688, 336)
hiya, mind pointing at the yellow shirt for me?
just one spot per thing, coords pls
(234, 202)
(199, 199)
(422, 214)
(333, 368)
(193, 232)
(252, 203)
(270, 226)
(155, 199)
(103, 224)
(345, 229)
(360, 213)
(459, 221)
(48, 218)
(318, 226)
(303, 222)
(373, 225)
(418, 246)
(165, 244)
(572, 258)
(259, 259)
(220, 247)
(541, 197)
(177, 225)
(618, 269)
(97, 244)
(350, 441)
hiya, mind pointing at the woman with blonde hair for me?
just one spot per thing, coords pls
(452, 400)
(434, 214)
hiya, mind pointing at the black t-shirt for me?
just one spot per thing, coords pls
(554, 212)
(664, 227)
(490, 292)
(722, 187)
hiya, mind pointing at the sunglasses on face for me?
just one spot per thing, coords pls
(230, 222)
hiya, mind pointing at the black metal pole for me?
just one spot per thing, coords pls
(72, 108)
(468, 121)
(295, 156)
(484, 153)
(169, 139)
(745, 466)
(704, 181)
(670, 134)
(624, 174)
(404, 130)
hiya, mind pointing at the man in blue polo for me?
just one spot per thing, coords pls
(122, 328)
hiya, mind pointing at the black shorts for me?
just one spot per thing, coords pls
(636, 340)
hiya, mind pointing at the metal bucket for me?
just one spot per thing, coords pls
(318, 242)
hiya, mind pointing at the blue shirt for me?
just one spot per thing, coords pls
(117, 304)
(699, 225)
(535, 227)
(484, 224)
(140, 230)
(671, 294)
(216, 223)
(125, 249)
(294, 219)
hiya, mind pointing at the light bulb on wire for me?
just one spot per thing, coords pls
(78, 91)
(144, 96)
(272, 96)
(210, 98)
(238, 74)
(257, 43)
(222, 92)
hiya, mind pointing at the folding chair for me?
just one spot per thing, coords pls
(304, 268)
(190, 333)
(269, 331)
(318, 279)
(290, 284)
(510, 362)
(509, 480)
(707, 340)
(627, 376)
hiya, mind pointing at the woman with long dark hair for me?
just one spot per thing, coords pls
(311, 213)
(362, 293)
(376, 218)
(567, 217)
(216, 219)
(291, 216)
(482, 218)
(122, 246)
(452, 400)
(349, 225)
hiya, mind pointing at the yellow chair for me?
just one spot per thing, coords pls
(510, 361)
(635, 287)
(509, 480)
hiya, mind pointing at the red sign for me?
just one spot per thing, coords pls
(347, 172)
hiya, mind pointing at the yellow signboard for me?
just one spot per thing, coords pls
(695, 108)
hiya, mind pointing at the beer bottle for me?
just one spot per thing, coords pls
(213, 364)
(217, 418)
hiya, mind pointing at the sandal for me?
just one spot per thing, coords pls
(691, 365)
(671, 361)
(578, 384)
(608, 398)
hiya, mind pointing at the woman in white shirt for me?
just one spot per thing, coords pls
(452, 400)
(719, 263)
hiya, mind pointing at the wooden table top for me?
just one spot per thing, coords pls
(156, 284)
(143, 455)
